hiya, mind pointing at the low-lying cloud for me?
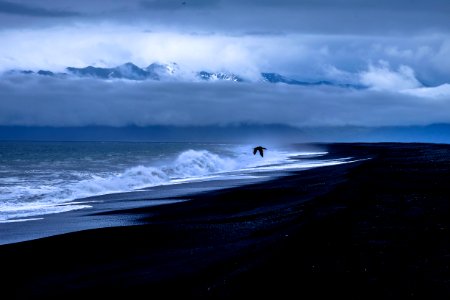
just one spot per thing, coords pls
(42, 101)
(383, 78)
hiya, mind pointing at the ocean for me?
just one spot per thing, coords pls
(38, 179)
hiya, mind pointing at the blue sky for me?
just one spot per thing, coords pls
(400, 50)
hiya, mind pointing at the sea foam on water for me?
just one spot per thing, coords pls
(38, 191)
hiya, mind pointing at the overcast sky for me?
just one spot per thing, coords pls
(399, 49)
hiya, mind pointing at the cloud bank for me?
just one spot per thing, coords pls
(43, 101)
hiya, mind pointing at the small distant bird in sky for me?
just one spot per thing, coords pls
(183, 3)
(260, 149)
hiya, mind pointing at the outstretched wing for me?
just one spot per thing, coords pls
(254, 151)
(261, 152)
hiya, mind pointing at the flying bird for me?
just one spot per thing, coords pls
(260, 149)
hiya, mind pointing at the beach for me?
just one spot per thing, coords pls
(374, 228)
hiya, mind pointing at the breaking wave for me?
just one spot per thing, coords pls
(22, 199)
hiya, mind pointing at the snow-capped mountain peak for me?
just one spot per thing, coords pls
(163, 70)
(219, 76)
(170, 72)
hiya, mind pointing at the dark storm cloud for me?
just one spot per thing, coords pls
(348, 4)
(343, 17)
(7, 7)
(236, 16)
(53, 102)
(323, 16)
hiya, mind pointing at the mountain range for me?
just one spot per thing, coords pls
(172, 71)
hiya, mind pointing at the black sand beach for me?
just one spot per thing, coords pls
(377, 228)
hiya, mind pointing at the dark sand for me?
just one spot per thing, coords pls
(378, 228)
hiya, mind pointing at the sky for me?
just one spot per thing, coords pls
(399, 50)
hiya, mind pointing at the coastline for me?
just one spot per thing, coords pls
(105, 210)
(376, 228)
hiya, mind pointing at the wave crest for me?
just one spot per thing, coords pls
(188, 164)
(48, 198)
(198, 163)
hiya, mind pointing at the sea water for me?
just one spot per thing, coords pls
(40, 178)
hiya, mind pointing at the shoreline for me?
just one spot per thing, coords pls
(102, 210)
(371, 229)
(105, 211)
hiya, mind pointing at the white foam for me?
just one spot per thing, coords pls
(21, 201)
(300, 166)
(21, 220)
(309, 154)
(35, 209)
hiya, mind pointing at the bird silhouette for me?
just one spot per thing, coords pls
(260, 149)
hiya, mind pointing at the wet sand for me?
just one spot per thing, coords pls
(377, 228)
